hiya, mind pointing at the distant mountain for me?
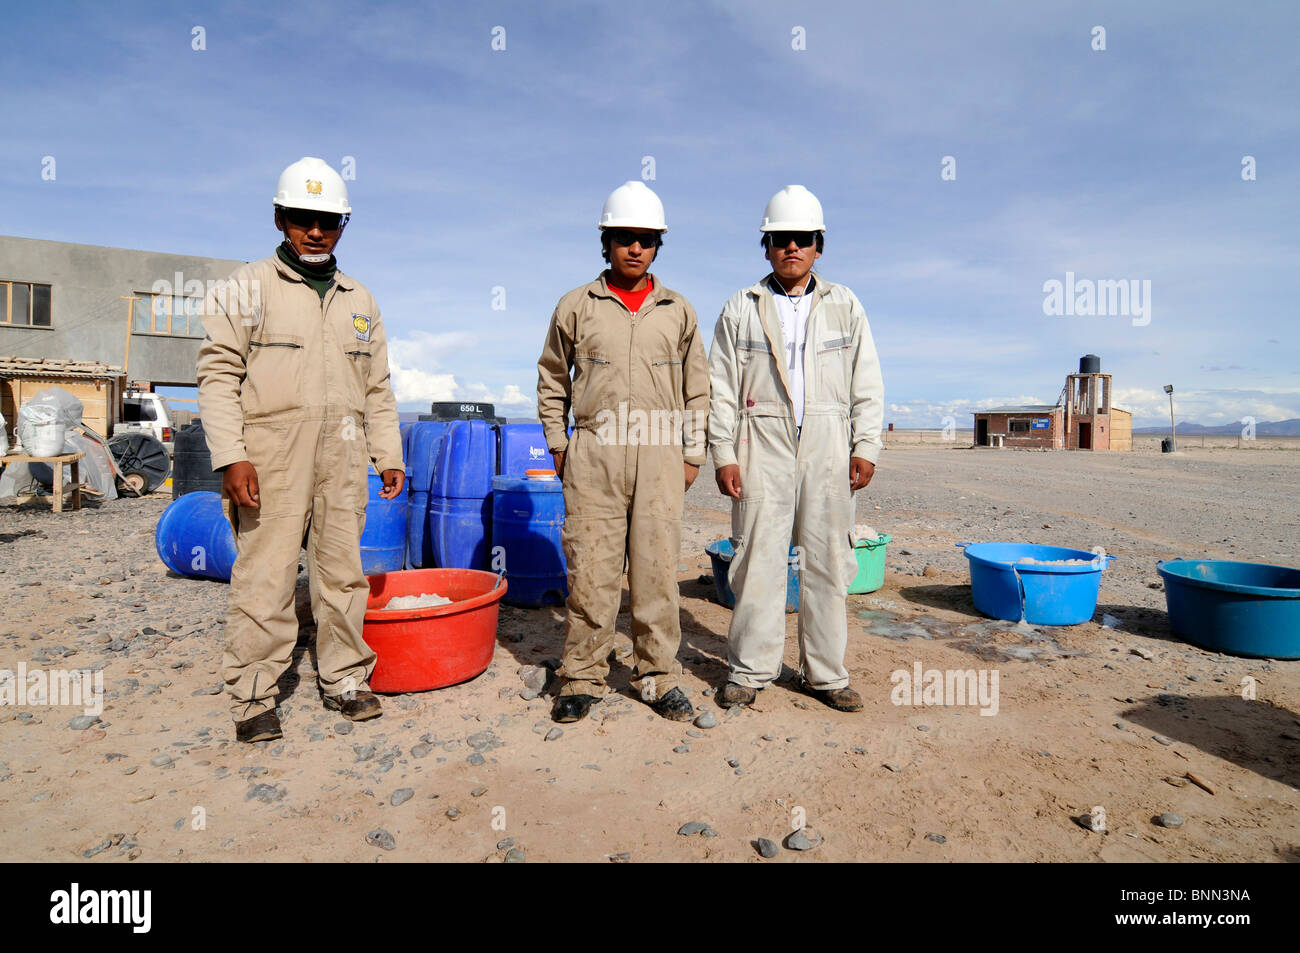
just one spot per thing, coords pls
(1275, 428)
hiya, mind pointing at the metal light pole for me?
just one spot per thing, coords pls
(1173, 431)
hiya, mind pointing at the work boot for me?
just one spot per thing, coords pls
(674, 706)
(572, 707)
(734, 695)
(841, 699)
(263, 727)
(361, 706)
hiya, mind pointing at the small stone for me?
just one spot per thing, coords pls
(929, 572)
(1170, 820)
(515, 856)
(381, 838)
(343, 728)
(140, 796)
(767, 848)
(692, 827)
(554, 733)
(82, 722)
(452, 813)
(160, 760)
(1162, 739)
(506, 844)
(622, 857)
(401, 796)
(681, 749)
(706, 720)
(803, 839)
(937, 838)
(1141, 653)
(732, 762)
(421, 750)
(478, 791)
(476, 758)
(1177, 782)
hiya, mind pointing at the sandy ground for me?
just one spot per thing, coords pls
(1083, 721)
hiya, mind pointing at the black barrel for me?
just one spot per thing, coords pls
(1090, 364)
(192, 463)
(1167, 445)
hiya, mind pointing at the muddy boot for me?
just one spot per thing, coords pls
(263, 727)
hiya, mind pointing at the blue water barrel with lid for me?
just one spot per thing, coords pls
(460, 496)
(383, 539)
(527, 519)
(522, 447)
(424, 440)
(194, 538)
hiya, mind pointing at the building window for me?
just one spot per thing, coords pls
(166, 314)
(1018, 426)
(24, 303)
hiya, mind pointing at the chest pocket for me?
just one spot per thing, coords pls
(273, 379)
(833, 358)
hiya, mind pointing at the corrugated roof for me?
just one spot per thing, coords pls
(45, 367)
(1022, 409)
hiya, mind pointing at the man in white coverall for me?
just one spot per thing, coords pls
(296, 403)
(794, 427)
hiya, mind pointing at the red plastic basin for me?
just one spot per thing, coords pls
(423, 649)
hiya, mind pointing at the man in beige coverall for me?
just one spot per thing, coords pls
(795, 432)
(639, 395)
(295, 401)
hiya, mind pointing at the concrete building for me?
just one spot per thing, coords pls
(1082, 418)
(138, 310)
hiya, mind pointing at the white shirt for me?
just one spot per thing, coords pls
(793, 312)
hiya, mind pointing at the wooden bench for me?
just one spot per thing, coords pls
(56, 464)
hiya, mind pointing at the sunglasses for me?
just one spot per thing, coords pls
(783, 239)
(628, 238)
(307, 217)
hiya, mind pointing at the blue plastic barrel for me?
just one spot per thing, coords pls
(424, 441)
(721, 553)
(405, 429)
(522, 447)
(460, 496)
(1061, 594)
(527, 520)
(383, 540)
(1250, 609)
(194, 538)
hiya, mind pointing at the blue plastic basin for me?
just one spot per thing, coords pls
(720, 554)
(1041, 595)
(1250, 609)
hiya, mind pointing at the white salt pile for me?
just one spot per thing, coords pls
(1031, 561)
(864, 533)
(423, 601)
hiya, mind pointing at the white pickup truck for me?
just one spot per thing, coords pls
(147, 412)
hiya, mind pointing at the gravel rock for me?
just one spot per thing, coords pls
(767, 848)
(343, 728)
(706, 720)
(1170, 820)
(160, 760)
(515, 856)
(401, 796)
(381, 838)
(805, 839)
(82, 722)
(554, 733)
(937, 838)
(694, 827)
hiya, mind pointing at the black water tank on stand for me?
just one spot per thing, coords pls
(1090, 364)
(192, 463)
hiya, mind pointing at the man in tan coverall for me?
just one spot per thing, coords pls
(639, 395)
(295, 401)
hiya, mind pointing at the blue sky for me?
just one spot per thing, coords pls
(479, 169)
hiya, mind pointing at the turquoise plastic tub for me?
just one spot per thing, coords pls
(1250, 609)
(1004, 588)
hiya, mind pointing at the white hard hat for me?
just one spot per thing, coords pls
(793, 209)
(311, 183)
(633, 205)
